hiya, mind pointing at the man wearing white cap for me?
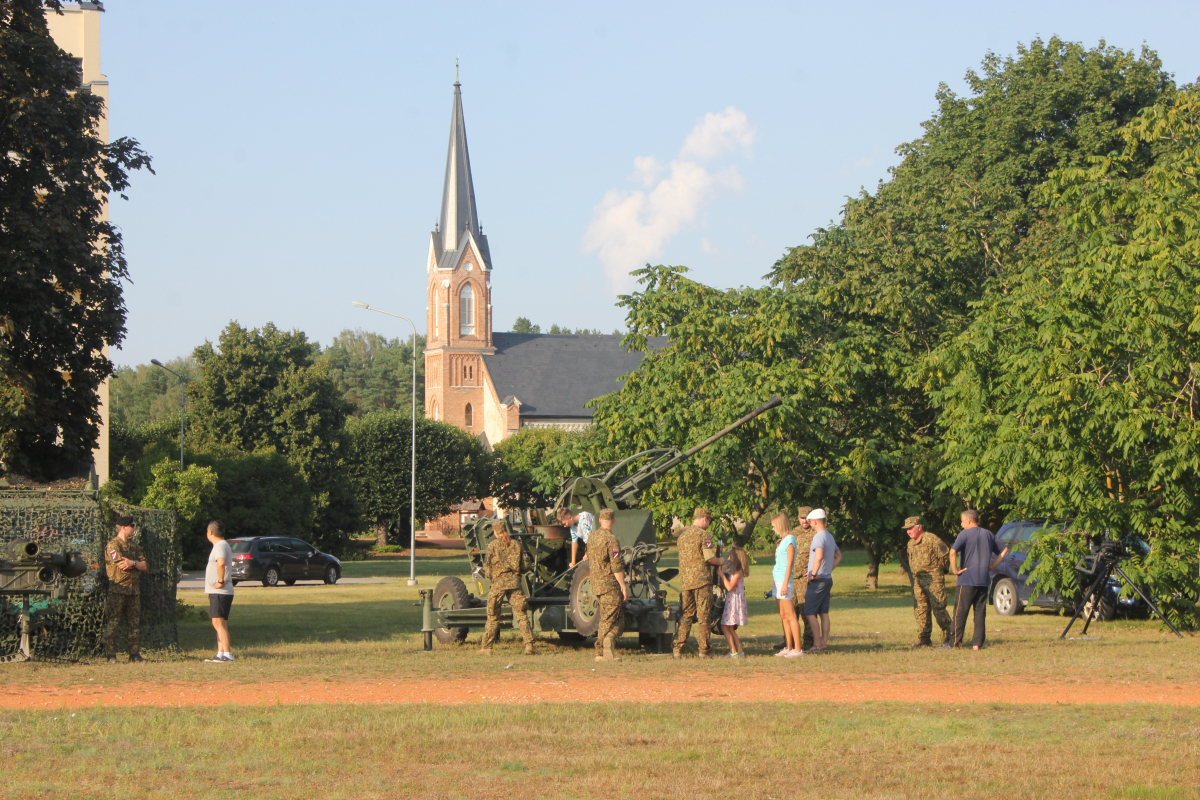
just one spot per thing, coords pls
(823, 557)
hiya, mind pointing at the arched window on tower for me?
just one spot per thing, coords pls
(467, 415)
(433, 411)
(466, 311)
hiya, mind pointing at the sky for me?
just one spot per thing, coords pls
(299, 147)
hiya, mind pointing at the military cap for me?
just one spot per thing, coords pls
(124, 521)
(803, 511)
(607, 513)
(911, 522)
(701, 513)
(498, 526)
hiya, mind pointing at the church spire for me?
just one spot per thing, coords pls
(458, 193)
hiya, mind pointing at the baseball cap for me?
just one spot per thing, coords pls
(816, 513)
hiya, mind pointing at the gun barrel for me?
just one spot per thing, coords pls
(764, 408)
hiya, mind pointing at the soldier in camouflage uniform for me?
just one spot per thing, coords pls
(804, 536)
(124, 564)
(502, 566)
(928, 560)
(696, 553)
(608, 584)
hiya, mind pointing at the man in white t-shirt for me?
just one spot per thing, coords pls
(218, 585)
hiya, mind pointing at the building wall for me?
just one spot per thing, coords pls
(77, 30)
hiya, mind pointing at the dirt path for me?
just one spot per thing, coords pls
(595, 687)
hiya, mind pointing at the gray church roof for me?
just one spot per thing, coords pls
(459, 214)
(554, 375)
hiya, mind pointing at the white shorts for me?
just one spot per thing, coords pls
(785, 591)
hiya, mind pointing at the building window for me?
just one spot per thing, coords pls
(467, 416)
(466, 311)
(433, 411)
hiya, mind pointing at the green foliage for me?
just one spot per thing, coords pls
(373, 372)
(523, 325)
(452, 466)
(528, 468)
(1087, 405)
(146, 394)
(265, 391)
(186, 492)
(61, 263)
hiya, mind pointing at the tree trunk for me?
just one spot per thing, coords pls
(748, 530)
(381, 538)
(872, 564)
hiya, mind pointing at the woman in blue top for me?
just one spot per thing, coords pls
(785, 561)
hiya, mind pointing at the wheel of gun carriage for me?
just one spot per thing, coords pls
(451, 594)
(585, 608)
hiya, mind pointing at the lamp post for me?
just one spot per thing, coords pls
(182, 403)
(412, 498)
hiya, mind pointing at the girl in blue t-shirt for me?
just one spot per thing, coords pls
(785, 564)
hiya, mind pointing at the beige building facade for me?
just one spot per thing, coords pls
(77, 31)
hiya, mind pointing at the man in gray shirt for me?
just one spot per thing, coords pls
(975, 546)
(823, 556)
(218, 585)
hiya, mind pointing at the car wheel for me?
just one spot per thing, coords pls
(271, 576)
(451, 594)
(235, 583)
(1005, 598)
(1104, 611)
(331, 574)
(292, 582)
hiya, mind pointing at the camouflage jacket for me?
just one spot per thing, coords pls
(804, 537)
(121, 581)
(928, 555)
(604, 555)
(696, 547)
(503, 565)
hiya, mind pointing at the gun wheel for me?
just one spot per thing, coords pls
(451, 594)
(585, 607)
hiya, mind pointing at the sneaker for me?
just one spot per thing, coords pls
(947, 646)
(218, 660)
(782, 653)
(227, 657)
(737, 655)
(792, 653)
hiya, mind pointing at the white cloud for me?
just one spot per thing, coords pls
(630, 228)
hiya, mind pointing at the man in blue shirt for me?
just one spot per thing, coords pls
(976, 546)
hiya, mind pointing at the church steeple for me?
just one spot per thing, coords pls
(459, 214)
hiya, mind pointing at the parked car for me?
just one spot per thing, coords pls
(275, 559)
(1012, 591)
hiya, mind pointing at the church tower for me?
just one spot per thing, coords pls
(459, 310)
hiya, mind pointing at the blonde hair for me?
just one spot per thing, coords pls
(787, 525)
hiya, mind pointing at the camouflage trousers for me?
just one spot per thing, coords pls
(806, 637)
(930, 593)
(612, 618)
(516, 599)
(695, 604)
(129, 607)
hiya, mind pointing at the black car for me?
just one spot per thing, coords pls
(275, 559)
(1011, 591)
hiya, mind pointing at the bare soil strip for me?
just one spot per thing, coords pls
(603, 685)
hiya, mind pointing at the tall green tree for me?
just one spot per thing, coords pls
(528, 466)
(452, 466)
(146, 394)
(265, 390)
(373, 372)
(1086, 406)
(61, 263)
(904, 270)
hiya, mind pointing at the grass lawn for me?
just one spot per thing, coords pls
(356, 632)
(618, 750)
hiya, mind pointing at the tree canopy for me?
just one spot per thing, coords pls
(62, 263)
(373, 372)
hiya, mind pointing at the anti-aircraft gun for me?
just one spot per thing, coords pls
(560, 597)
(29, 571)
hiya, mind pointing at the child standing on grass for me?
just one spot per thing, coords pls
(733, 578)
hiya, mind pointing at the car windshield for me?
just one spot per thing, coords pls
(241, 545)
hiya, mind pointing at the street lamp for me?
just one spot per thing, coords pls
(182, 403)
(412, 498)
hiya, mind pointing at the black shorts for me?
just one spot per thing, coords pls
(219, 605)
(816, 597)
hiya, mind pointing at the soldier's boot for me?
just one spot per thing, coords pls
(704, 654)
(485, 651)
(676, 653)
(922, 642)
(610, 653)
(529, 648)
(135, 658)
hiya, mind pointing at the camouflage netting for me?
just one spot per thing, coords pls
(76, 520)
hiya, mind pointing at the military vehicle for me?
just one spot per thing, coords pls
(28, 571)
(560, 598)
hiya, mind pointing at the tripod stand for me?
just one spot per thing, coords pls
(1103, 565)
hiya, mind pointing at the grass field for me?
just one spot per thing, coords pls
(356, 634)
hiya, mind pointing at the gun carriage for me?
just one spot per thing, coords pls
(560, 598)
(27, 572)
